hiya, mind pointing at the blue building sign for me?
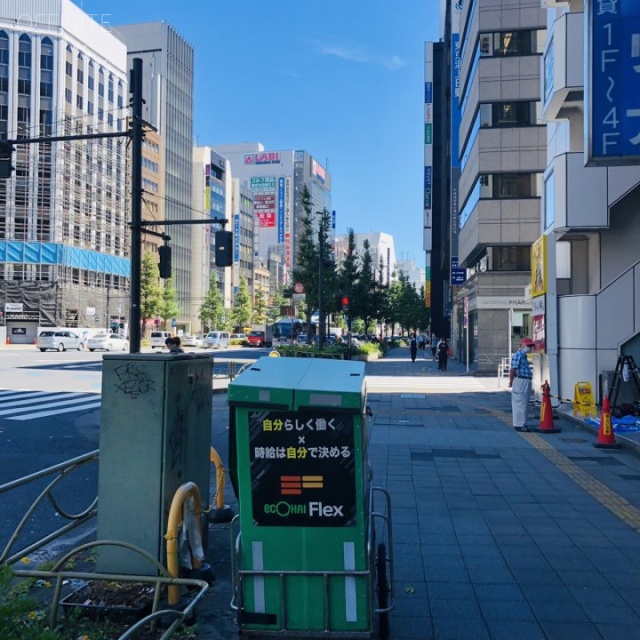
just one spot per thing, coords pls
(281, 204)
(613, 118)
(236, 238)
(458, 275)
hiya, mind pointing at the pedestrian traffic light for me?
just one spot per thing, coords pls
(344, 302)
(6, 156)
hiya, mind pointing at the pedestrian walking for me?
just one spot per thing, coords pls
(443, 354)
(413, 347)
(421, 341)
(520, 375)
(434, 347)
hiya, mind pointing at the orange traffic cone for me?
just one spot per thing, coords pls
(8, 341)
(606, 438)
(546, 412)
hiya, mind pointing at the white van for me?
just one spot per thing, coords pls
(158, 339)
(216, 340)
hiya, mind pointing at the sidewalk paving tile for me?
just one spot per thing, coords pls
(497, 535)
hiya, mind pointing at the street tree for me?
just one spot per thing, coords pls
(260, 308)
(348, 280)
(150, 289)
(212, 309)
(306, 269)
(274, 309)
(242, 308)
(169, 308)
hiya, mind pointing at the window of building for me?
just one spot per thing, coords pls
(110, 89)
(24, 65)
(80, 69)
(4, 61)
(514, 185)
(521, 113)
(511, 43)
(510, 259)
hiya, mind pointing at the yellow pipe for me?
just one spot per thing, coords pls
(220, 474)
(186, 491)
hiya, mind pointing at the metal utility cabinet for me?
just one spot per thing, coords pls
(155, 435)
(298, 443)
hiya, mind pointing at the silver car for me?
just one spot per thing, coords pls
(60, 340)
(108, 342)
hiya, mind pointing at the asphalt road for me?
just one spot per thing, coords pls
(50, 413)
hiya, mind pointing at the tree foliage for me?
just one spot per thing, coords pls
(169, 307)
(242, 308)
(212, 309)
(260, 308)
(150, 289)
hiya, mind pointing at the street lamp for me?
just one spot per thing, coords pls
(320, 279)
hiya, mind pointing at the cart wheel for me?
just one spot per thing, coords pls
(382, 588)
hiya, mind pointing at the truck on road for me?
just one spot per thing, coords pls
(261, 335)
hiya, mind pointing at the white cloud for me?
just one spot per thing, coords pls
(358, 54)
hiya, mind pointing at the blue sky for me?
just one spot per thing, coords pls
(341, 79)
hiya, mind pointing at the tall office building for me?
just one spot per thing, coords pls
(168, 61)
(381, 248)
(63, 213)
(498, 155)
(586, 295)
(277, 179)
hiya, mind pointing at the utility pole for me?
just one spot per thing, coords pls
(137, 135)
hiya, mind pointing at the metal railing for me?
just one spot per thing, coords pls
(59, 574)
(57, 473)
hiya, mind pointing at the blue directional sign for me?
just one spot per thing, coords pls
(458, 275)
(613, 105)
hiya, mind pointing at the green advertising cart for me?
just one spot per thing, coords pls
(313, 555)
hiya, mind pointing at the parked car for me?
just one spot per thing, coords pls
(216, 340)
(60, 340)
(238, 336)
(158, 339)
(191, 341)
(108, 342)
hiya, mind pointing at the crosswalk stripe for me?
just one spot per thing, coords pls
(41, 397)
(63, 403)
(44, 414)
(9, 395)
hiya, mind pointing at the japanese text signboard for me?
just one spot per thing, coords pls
(613, 118)
(302, 468)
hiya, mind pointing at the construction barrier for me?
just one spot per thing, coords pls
(583, 402)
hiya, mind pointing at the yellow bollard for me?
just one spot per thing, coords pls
(187, 491)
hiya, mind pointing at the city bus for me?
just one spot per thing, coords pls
(286, 330)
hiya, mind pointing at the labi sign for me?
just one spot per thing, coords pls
(302, 469)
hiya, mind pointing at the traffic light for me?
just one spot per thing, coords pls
(224, 248)
(165, 261)
(344, 302)
(6, 156)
